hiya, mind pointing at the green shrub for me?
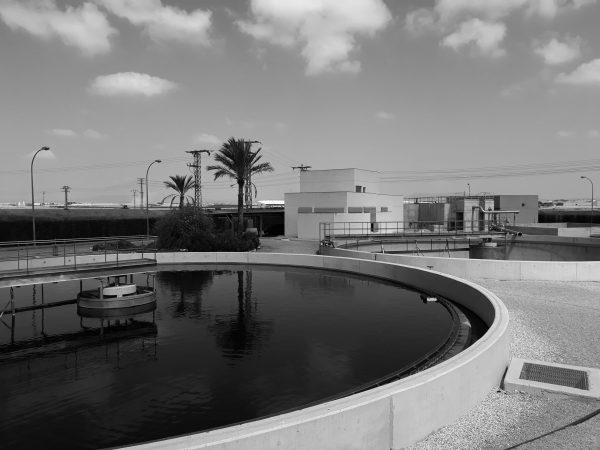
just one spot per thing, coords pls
(195, 232)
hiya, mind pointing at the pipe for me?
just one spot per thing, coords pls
(506, 230)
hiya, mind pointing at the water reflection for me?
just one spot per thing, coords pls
(185, 290)
(229, 346)
(238, 333)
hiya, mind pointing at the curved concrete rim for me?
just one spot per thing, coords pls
(485, 268)
(390, 416)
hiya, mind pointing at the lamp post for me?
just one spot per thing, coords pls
(147, 218)
(469, 185)
(32, 196)
(592, 210)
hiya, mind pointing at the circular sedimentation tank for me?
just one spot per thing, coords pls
(231, 344)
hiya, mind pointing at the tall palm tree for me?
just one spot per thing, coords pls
(238, 162)
(180, 184)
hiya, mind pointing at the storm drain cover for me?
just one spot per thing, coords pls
(561, 376)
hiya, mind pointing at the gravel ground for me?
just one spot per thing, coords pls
(549, 321)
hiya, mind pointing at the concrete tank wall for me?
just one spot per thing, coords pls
(541, 248)
(490, 269)
(388, 417)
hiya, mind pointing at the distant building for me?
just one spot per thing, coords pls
(339, 195)
(270, 203)
(527, 205)
(470, 213)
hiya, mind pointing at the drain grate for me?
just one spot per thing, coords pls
(561, 376)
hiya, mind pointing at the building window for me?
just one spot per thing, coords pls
(359, 189)
(384, 209)
(364, 189)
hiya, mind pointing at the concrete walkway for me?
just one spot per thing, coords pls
(550, 321)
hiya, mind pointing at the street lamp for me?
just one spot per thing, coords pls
(592, 211)
(469, 184)
(32, 196)
(147, 219)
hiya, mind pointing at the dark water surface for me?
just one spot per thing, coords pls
(227, 346)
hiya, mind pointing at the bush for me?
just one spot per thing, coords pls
(195, 232)
(185, 229)
(230, 242)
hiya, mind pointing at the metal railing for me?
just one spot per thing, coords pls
(20, 256)
(420, 245)
(330, 231)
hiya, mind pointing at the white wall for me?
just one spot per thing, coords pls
(311, 199)
(339, 180)
(303, 227)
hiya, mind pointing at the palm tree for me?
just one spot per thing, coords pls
(180, 184)
(237, 161)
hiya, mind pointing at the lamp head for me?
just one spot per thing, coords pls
(157, 161)
(45, 148)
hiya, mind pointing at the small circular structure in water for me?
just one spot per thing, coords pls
(231, 344)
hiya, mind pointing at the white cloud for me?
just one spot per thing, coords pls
(84, 27)
(512, 90)
(496, 9)
(587, 74)
(206, 138)
(326, 30)
(555, 52)
(489, 9)
(594, 134)
(420, 20)
(382, 115)
(62, 132)
(93, 134)
(130, 84)
(481, 37)
(163, 23)
(564, 134)
(444, 16)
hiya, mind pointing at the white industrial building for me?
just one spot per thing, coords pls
(339, 195)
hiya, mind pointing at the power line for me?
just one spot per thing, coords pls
(281, 156)
(110, 165)
(496, 172)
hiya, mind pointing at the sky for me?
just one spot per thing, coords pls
(440, 96)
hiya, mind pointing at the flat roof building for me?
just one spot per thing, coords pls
(339, 195)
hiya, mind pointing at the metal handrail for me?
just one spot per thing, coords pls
(19, 255)
(351, 230)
